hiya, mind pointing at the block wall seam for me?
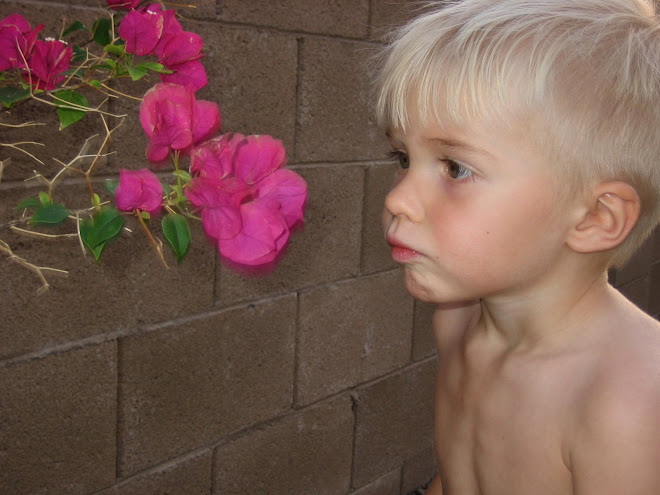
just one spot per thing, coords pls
(296, 355)
(299, 71)
(365, 190)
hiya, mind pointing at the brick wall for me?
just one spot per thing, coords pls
(127, 378)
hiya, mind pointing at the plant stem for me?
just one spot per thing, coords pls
(153, 242)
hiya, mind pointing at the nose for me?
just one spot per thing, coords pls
(405, 199)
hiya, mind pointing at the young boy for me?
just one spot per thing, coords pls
(527, 134)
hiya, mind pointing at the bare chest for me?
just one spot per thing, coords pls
(499, 430)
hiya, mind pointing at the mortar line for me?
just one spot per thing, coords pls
(299, 69)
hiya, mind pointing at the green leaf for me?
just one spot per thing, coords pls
(96, 200)
(136, 73)
(44, 199)
(182, 174)
(100, 228)
(155, 67)
(8, 96)
(103, 226)
(76, 26)
(79, 54)
(96, 83)
(102, 31)
(117, 50)
(51, 214)
(28, 203)
(69, 115)
(111, 185)
(120, 70)
(145, 215)
(177, 233)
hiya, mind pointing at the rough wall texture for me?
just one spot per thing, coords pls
(130, 379)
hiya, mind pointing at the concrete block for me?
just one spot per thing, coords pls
(191, 476)
(306, 452)
(252, 78)
(335, 114)
(638, 292)
(57, 432)
(127, 287)
(185, 386)
(393, 421)
(351, 332)
(418, 471)
(423, 339)
(348, 18)
(375, 251)
(387, 485)
(387, 15)
(328, 248)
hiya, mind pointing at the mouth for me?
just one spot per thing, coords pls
(400, 252)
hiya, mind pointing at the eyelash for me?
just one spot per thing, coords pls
(463, 173)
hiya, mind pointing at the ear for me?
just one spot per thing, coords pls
(612, 210)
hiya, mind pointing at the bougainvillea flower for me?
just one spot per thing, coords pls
(49, 59)
(174, 120)
(122, 4)
(139, 190)
(16, 41)
(191, 74)
(141, 31)
(215, 157)
(249, 203)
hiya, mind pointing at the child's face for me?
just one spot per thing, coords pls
(472, 212)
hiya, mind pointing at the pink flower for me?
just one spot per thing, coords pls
(249, 203)
(139, 190)
(141, 31)
(173, 119)
(49, 59)
(122, 4)
(191, 74)
(16, 41)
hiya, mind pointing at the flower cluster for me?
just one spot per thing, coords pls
(153, 31)
(42, 61)
(249, 202)
(237, 186)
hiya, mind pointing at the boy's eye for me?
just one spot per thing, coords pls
(456, 170)
(400, 157)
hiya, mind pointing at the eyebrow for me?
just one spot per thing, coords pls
(447, 142)
(458, 144)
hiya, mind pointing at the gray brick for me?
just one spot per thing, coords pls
(350, 333)
(57, 432)
(303, 453)
(185, 386)
(393, 422)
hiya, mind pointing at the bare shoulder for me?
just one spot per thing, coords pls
(616, 437)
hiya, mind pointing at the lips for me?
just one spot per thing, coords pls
(400, 252)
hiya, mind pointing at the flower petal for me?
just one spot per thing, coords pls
(289, 190)
(141, 31)
(191, 74)
(257, 157)
(263, 237)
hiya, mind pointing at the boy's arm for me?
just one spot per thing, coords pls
(617, 444)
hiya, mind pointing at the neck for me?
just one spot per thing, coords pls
(548, 313)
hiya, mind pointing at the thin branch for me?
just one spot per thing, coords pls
(18, 148)
(38, 270)
(25, 124)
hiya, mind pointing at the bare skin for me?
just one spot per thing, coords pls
(577, 414)
(549, 380)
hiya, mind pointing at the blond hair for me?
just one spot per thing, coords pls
(584, 75)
